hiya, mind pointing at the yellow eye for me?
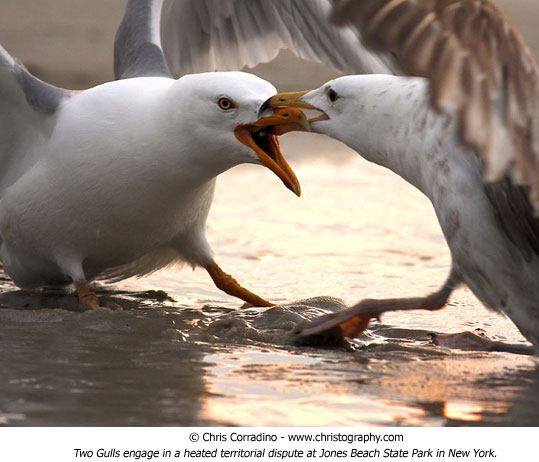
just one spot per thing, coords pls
(226, 103)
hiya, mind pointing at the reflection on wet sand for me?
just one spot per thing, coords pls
(463, 389)
(104, 367)
(280, 389)
(319, 390)
(194, 358)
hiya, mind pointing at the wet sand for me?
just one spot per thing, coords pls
(155, 363)
(193, 357)
(182, 353)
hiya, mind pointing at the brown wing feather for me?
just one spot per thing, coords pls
(479, 67)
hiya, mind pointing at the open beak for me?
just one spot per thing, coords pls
(261, 137)
(293, 100)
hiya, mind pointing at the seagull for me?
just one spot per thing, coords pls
(463, 128)
(117, 180)
(161, 38)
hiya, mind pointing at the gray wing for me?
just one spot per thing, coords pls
(137, 46)
(479, 68)
(28, 109)
(189, 36)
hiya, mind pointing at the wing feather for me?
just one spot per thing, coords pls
(27, 114)
(190, 36)
(137, 45)
(144, 266)
(479, 68)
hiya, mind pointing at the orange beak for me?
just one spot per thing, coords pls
(291, 100)
(287, 99)
(261, 137)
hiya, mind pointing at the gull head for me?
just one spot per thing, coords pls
(218, 112)
(337, 106)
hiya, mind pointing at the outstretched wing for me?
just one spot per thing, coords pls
(189, 36)
(27, 114)
(479, 68)
(137, 46)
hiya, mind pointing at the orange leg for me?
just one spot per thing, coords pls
(229, 285)
(86, 297)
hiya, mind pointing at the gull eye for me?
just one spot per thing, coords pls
(226, 103)
(332, 95)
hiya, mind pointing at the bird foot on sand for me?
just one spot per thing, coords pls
(91, 302)
(477, 340)
(87, 299)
